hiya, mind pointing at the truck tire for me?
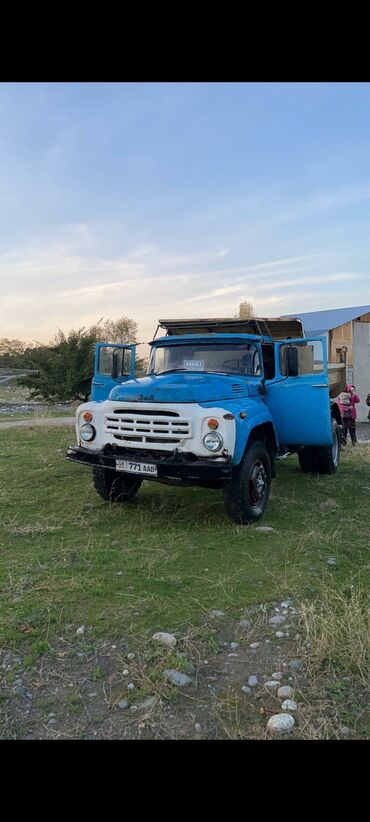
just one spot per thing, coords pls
(322, 460)
(113, 486)
(307, 460)
(246, 495)
(328, 458)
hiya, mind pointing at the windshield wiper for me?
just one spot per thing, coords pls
(170, 371)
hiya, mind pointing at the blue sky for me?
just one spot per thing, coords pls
(174, 200)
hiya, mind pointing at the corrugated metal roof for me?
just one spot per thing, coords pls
(318, 322)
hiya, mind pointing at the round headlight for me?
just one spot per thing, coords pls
(87, 432)
(213, 441)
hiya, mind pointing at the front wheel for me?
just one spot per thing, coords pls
(246, 495)
(115, 486)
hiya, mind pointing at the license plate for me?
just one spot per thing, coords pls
(136, 467)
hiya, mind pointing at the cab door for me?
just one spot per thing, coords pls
(298, 397)
(114, 364)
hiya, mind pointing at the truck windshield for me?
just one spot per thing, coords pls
(224, 358)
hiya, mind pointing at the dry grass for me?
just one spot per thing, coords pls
(337, 631)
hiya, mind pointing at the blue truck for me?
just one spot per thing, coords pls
(222, 401)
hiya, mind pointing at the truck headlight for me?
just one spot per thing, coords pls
(213, 441)
(87, 432)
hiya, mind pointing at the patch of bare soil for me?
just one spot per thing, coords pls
(105, 690)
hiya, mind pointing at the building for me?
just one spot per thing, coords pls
(347, 332)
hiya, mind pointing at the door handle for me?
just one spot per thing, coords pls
(321, 385)
(98, 383)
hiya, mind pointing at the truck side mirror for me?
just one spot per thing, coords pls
(292, 361)
(115, 364)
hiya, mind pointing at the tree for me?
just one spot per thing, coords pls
(64, 368)
(122, 330)
(246, 310)
(11, 353)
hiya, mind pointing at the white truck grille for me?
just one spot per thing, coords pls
(147, 426)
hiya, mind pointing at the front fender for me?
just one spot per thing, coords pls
(244, 428)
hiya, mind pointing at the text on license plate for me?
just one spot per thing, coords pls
(136, 467)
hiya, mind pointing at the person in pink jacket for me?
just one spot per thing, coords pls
(347, 401)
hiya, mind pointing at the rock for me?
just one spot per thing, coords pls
(289, 705)
(252, 681)
(177, 677)
(277, 675)
(264, 528)
(51, 715)
(52, 722)
(287, 603)
(295, 664)
(123, 703)
(277, 620)
(281, 723)
(130, 686)
(285, 691)
(130, 656)
(197, 727)
(272, 683)
(22, 691)
(169, 640)
(80, 631)
(255, 645)
(343, 730)
(125, 672)
(149, 703)
(216, 613)
(279, 634)
(233, 654)
(133, 709)
(234, 645)
(244, 624)
(92, 694)
(246, 690)
(17, 682)
(332, 562)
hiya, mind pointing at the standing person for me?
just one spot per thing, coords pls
(368, 403)
(347, 401)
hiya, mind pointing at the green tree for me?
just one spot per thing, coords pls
(64, 368)
(12, 353)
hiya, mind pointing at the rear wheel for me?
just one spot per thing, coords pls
(114, 486)
(322, 460)
(328, 458)
(246, 495)
(307, 460)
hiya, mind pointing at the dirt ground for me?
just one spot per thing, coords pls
(82, 690)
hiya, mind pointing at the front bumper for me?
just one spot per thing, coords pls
(184, 467)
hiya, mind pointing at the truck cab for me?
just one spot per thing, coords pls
(221, 402)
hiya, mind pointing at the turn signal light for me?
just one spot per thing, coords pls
(87, 415)
(212, 424)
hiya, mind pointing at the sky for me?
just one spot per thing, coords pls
(170, 200)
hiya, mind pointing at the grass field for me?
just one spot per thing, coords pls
(13, 395)
(160, 563)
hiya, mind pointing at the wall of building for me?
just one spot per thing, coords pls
(341, 337)
(361, 376)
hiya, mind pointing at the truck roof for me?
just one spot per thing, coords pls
(276, 328)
